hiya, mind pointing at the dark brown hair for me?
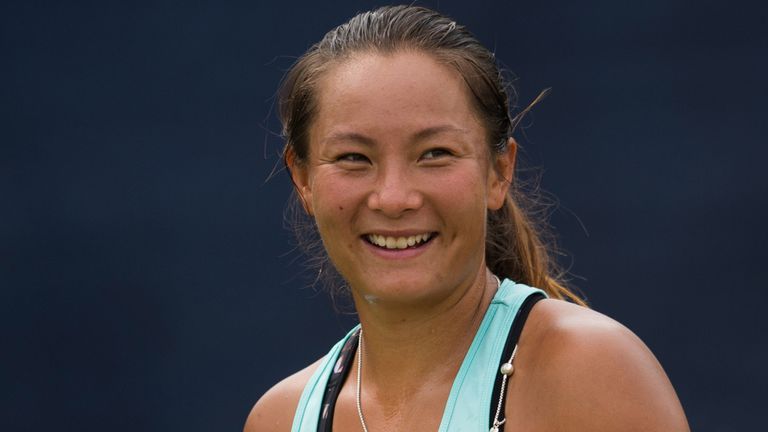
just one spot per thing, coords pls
(515, 246)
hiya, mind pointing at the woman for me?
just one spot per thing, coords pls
(399, 145)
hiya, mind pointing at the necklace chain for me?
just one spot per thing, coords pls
(506, 370)
(357, 394)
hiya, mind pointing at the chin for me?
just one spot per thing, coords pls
(403, 289)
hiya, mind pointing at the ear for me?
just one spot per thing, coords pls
(300, 177)
(501, 175)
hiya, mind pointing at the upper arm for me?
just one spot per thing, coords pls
(274, 411)
(602, 377)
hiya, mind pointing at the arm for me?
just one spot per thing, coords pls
(275, 410)
(601, 377)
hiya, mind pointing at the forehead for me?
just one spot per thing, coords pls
(390, 94)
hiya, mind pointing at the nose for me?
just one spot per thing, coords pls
(395, 193)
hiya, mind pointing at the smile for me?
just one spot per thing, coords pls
(388, 242)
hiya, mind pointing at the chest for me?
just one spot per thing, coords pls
(524, 411)
(423, 411)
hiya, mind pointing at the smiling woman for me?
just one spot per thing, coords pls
(398, 139)
(394, 142)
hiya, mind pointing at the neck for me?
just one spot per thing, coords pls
(410, 348)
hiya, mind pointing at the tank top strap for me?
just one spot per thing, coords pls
(471, 395)
(498, 400)
(309, 412)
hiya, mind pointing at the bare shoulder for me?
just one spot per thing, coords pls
(274, 411)
(596, 374)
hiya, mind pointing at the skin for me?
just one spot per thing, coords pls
(395, 141)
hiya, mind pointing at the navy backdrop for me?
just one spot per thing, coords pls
(147, 283)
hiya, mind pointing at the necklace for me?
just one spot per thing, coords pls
(506, 370)
(357, 393)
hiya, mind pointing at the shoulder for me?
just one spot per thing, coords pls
(596, 374)
(274, 411)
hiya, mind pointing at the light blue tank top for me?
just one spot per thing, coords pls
(470, 398)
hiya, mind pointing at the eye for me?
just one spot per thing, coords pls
(435, 153)
(352, 157)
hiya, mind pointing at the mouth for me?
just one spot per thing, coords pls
(396, 243)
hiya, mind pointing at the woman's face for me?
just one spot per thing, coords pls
(399, 178)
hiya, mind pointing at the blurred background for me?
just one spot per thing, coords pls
(147, 282)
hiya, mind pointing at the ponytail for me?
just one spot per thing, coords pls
(515, 249)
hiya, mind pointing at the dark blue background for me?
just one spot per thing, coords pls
(146, 282)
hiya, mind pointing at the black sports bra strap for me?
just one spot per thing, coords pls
(509, 346)
(336, 380)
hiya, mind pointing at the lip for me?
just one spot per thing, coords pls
(399, 254)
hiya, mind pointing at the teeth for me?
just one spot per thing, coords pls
(397, 242)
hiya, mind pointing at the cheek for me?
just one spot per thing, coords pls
(462, 200)
(466, 189)
(337, 201)
(333, 201)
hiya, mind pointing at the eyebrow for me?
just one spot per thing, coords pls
(418, 136)
(437, 130)
(351, 136)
